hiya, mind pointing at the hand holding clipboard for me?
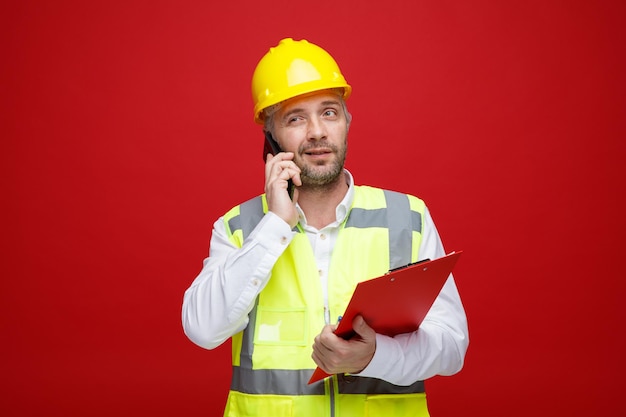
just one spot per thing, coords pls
(396, 302)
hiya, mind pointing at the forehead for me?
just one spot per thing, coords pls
(311, 100)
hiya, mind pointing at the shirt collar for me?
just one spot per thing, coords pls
(343, 208)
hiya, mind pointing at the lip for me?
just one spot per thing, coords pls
(318, 152)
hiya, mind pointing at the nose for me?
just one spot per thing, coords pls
(316, 129)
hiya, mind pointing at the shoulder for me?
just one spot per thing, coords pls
(366, 195)
(245, 216)
(253, 204)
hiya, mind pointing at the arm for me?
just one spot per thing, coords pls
(438, 347)
(217, 303)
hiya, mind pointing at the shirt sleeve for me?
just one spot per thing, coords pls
(217, 303)
(438, 347)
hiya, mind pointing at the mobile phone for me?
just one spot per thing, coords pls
(271, 146)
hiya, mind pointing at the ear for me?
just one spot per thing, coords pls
(348, 119)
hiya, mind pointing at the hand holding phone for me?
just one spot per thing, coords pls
(271, 146)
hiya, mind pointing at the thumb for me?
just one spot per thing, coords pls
(362, 328)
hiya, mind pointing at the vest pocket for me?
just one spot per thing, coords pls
(247, 405)
(281, 326)
(396, 405)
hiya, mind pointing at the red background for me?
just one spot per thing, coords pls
(127, 130)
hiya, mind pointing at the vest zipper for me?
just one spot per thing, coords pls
(331, 384)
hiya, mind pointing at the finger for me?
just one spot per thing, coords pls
(268, 165)
(296, 179)
(287, 164)
(325, 341)
(271, 160)
(283, 170)
(361, 327)
(322, 358)
(319, 362)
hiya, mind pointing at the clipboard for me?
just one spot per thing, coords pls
(396, 302)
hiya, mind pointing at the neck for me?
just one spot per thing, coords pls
(319, 203)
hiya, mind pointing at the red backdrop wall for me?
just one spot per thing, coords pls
(127, 130)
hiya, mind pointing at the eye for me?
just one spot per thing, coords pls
(294, 118)
(330, 113)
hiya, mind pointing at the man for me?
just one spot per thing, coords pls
(282, 268)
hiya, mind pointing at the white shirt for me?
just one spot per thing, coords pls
(217, 303)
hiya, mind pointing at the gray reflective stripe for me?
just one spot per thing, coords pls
(393, 217)
(295, 382)
(350, 384)
(274, 381)
(234, 223)
(416, 221)
(247, 342)
(400, 229)
(363, 218)
(400, 221)
(250, 214)
(398, 218)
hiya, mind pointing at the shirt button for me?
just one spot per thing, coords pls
(283, 240)
(323, 236)
(255, 282)
(319, 271)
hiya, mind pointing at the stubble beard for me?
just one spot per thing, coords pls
(319, 176)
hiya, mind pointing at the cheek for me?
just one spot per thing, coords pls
(293, 141)
(341, 136)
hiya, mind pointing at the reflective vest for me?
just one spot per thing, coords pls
(272, 356)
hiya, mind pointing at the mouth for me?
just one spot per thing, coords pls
(318, 156)
(318, 152)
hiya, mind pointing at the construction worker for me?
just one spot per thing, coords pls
(282, 266)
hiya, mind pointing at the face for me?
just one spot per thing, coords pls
(315, 128)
